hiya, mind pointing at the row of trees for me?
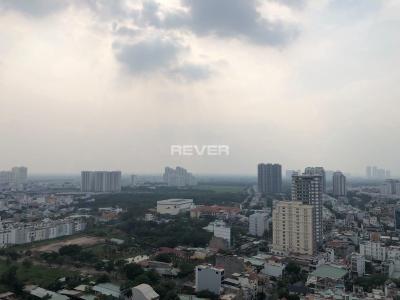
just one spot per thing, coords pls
(179, 231)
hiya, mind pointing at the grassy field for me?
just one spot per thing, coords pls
(35, 274)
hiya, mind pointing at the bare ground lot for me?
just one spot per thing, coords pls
(83, 241)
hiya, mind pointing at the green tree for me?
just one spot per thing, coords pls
(70, 250)
(27, 263)
(164, 257)
(132, 271)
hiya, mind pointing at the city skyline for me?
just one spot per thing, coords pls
(129, 172)
(199, 149)
(113, 84)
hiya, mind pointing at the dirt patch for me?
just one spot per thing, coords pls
(82, 241)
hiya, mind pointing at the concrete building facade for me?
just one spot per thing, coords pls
(209, 278)
(269, 178)
(293, 230)
(339, 184)
(308, 189)
(258, 223)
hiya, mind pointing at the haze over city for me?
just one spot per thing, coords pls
(113, 84)
(199, 150)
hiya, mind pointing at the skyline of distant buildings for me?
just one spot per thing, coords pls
(374, 172)
(370, 172)
(14, 178)
(178, 177)
(391, 187)
(101, 181)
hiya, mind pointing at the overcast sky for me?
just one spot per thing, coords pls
(111, 84)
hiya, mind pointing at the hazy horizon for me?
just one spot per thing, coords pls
(113, 84)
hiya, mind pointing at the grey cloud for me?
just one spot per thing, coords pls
(34, 8)
(40, 8)
(148, 56)
(148, 14)
(291, 3)
(154, 55)
(230, 19)
(353, 10)
(192, 72)
(114, 9)
(125, 31)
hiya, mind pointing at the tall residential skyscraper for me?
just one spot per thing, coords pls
(377, 173)
(289, 173)
(339, 184)
(308, 190)
(15, 179)
(368, 172)
(391, 187)
(134, 180)
(258, 223)
(178, 177)
(269, 178)
(293, 228)
(397, 218)
(101, 181)
(317, 171)
(5, 177)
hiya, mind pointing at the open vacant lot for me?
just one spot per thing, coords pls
(82, 241)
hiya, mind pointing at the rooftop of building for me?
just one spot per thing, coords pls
(174, 201)
(215, 208)
(209, 267)
(147, 291)
(329, 271)
(108, 289)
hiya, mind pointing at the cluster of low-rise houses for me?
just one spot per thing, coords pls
(12, 233)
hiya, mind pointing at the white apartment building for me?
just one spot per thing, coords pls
(258, 223)
(293, 230)
(22, 233)
(15, 178)
(373, 250)
(357, 264)
(222, 231)
(393, 253)
(391, 187)
(274, 267)
(174, 206)
(101, 181)
(209, 278)
(178, 177)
